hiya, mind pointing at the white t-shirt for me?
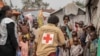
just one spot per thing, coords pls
(34, 31)
(76, 50)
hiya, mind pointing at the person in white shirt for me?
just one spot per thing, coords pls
(8, 36)
(34, 29)
(76, 49)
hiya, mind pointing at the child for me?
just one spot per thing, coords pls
(24, 46)
(76, 26)
(93, 44)
(74, 35)
(64, 50)
(35, 27)
(32, 45)
(63, 29)
(89, 30)
(25, 30)
(81, 33)
(76, 49)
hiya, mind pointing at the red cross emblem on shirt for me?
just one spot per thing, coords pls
(47, 38)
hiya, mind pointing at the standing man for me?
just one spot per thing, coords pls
(8, 39)
(49, 37)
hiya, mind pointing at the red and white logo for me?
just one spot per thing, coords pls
(47, 38)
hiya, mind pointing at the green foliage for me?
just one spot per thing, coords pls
(38, 4)
(45, 5)
(80, 4)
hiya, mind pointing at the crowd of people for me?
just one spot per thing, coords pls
(82, 40)
(47, 40)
